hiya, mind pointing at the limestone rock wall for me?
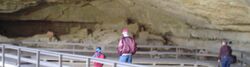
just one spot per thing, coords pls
(175, 22)
(10, 6)
(5, 39)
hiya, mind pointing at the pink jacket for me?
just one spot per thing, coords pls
(127, 45)
(96, 64)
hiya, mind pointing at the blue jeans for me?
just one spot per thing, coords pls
(126, 58)
(225, 61)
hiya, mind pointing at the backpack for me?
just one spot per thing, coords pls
(233, 59)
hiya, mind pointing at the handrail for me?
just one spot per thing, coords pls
(82, 44)
(241, 58)
(114, 46)
(59, 55)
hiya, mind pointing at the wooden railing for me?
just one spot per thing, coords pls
(60, 56)
(175, 50)
(178, 50)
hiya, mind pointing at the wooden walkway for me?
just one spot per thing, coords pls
(142, 61)
(151, 62)
(175, 62)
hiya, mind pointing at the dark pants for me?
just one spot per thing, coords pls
(225, 61)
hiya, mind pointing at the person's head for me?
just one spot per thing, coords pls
(98, 49)
(224, 42)
(125, 32)
(50, 33)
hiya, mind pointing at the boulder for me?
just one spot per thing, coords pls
(133, 28)
(145, 38)
(211, 45)
(5, 39)
(142, 38)
(38, 37)
(105, 37)
(216, 34)
(112, 24)
(76, 35)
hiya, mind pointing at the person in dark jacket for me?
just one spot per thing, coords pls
(225, 54)
(126, 47)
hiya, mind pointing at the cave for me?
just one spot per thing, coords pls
(28, 28)
(163, 29)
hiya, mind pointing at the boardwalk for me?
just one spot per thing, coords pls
(151, 62)
(141, 60)
(168, 62)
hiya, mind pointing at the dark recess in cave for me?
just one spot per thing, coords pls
(130, 21)
(27, 28)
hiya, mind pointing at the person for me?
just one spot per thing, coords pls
(225, 54)
(126, 47)
(203, 51)
(52, 36)
(98, 54)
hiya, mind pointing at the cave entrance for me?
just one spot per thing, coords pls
(27, 28)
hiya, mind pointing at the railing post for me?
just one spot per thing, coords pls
(242, 57)
(38, 59)
(152, 55)
(3, 55)
(195, 65)
(196, 54)
(154, 64)
(177, 52)
(19, 57)
(181, 65)
(60, 60)
(88, 62)
(74, 49)
(114, 65)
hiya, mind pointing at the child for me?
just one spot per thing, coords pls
(98, 54)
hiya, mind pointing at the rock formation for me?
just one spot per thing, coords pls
(10, 6)
(175, 22)
(5, 39)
